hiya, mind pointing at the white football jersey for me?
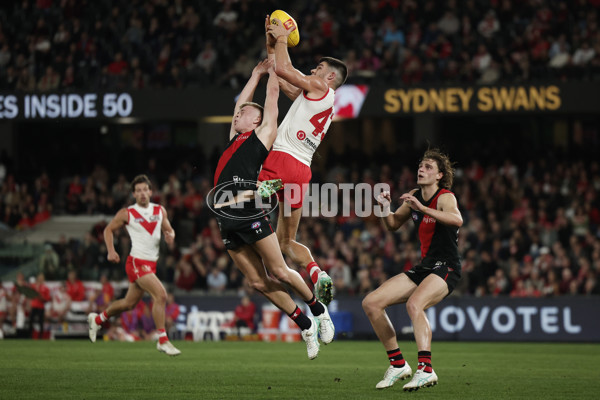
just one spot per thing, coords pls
(304, 126)
(144, 228)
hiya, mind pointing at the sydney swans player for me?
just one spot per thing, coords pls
(144, 222)
(298, 137)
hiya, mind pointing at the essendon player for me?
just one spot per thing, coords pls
(144, 222)
(245, 230)
(298, 137)
(434, 210)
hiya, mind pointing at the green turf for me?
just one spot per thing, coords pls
(77, 369)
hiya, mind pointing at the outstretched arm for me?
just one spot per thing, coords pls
(267, 131)
(247, 93)
(315, 86)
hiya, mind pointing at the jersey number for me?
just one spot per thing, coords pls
(319, 120)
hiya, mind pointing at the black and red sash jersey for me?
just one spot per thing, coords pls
(241, 162)
(439, 242)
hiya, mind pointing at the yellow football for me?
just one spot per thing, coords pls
(288, 22)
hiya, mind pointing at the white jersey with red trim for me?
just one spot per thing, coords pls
(144, 228)
(304, 126)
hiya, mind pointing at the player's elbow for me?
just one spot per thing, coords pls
(282, 68)
(458, 222)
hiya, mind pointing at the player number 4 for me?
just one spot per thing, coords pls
(319, 120)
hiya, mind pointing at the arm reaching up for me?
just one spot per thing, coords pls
(267, 131)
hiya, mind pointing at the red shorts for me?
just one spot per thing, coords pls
(280, 165)
(136, 268)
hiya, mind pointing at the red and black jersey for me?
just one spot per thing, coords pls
(241, 161)
(439, 242)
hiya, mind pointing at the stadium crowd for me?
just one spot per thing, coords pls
(69, 45)
(530, 230)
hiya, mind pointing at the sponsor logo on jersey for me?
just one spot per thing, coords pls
(428, 220)
(139, 220)
(310, 144)
(301, 135)
(153, 218)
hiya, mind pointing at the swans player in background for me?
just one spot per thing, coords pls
(298, 137)
(144, 222)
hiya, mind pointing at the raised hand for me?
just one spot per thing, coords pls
(263, 67)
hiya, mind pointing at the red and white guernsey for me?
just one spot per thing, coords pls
(144, 228)
(304, 126)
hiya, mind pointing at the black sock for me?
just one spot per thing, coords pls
(316, 308)
(300, 319)
(396, 358)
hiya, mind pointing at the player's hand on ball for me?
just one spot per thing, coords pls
(278, 30)
(270, 39)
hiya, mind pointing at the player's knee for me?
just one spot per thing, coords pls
(369, 305)
(281, 273)
(285, 244)
(160, 298)
(413, 308)
(259, 285)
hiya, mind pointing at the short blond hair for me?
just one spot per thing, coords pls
(260, 108)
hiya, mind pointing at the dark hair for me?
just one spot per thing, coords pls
(140, 179)
(255, 105)
(340, 69)
(444, 164)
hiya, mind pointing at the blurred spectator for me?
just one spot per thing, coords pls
(75, 287)
(101, 298)
(38, 309)
(244, 314)
(216, 279)
(60, 303)
(49, 262)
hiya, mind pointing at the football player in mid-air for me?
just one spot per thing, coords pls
(298, 137)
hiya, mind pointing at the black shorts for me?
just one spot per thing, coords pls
(237, 232)
(450, 275)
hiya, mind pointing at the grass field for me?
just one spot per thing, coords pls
(77, 369)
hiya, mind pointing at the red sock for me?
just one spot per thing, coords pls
(425, 361)
(313, 270)
(101, 318)
(162, 336)
(396, 358)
